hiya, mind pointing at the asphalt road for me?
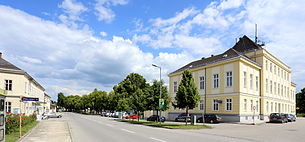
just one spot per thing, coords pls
(88, 128)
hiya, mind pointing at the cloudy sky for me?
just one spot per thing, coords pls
(74, 46)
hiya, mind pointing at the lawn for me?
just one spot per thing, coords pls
(165, 125)
(14, 136)
(300, 114)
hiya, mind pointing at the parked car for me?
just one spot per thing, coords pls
(181, 117)
(131, 116)
(209, 118)
(156, 118)
(291, 117)
(278, 117)
(52, 115)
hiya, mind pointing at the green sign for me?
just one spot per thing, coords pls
(3, 92)
(162, 104)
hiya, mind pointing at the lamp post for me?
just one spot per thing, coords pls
(160, 85)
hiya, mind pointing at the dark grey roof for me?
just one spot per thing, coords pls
(7, 65)
(243, 45)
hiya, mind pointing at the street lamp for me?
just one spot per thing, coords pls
(160, 84)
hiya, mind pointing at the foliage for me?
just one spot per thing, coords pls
(14, 136)
(300, 101)
(61, 99)
(13, 120)
(154, 95)
(187, 95)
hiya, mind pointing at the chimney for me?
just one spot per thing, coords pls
(0, 54)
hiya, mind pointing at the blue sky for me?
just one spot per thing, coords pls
(74, 46)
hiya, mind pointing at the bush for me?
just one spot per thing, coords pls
(13, 120)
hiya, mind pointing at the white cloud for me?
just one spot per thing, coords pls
(31, 60)
(228, 4)
(73, 10)
(103, 11)
(103, 34)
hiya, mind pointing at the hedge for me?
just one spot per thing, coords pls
(12, 121)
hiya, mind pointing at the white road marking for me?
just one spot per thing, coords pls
(128, 131)
(157, 139)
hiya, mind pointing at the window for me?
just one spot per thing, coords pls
(215, 105)
(270, 87)
(279, 88)
(274, 88)
(201, 105)
(275, 107)
(8, 85)
(270, 67)
(285, 75)
(271, 106)
(228, 104)
(285, 91)
(274, 69)
(175, 86)
(278, 71)
(282, 73)
(256, 106)
(245, 79)
(282, 90)
(245, 105)
(266, 85)
(229, 79)
(251, 105)
(8, 107)
(251, 81)
(256, 83)
(201, 82)
(267, 107)
(266, 64)
(216, 81)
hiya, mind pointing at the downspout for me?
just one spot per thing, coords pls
(260, 96)
(205, 94)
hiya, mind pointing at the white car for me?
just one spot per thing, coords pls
(52, 115)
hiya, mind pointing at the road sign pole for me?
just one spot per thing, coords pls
(20, 119)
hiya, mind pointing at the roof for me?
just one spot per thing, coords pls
(7, 65)
(243, 45)
(246, 44)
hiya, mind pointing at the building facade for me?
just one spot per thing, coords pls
(245, 82)
(17, 84)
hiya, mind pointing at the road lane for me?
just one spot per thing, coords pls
(96, 128)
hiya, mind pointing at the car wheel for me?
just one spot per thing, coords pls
(211, 121)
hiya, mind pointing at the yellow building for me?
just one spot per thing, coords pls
(243, 83)
(18, 83)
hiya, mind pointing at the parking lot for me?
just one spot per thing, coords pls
(291, 131)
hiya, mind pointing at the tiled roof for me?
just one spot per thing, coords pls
(6, 65)
(243, 45)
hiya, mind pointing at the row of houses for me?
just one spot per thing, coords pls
(18, 84)
(243, 83)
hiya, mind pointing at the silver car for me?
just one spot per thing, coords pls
(52, 115)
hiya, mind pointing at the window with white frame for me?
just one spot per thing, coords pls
(251, 105)
(270, 67)
(256, 107)
(245, 79)
(282, 90)
(285, 91)
(229, 79)
(279, 88)
(228, 104)
(267, 106)
(266, 64)
(270, 87)
(251, 81)
(8, 107)
(201, 105)
(201, 80)
(8, 84)
(282, 73)
(285, 75)
(275, 107)
(175, 86)
(266, 85)
(278, 71)
(215, 105)
(271, 106)
(274, 88)
(274, 69)
(216, 80)
(256, 83)
(245, 105)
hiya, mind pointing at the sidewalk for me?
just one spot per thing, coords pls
(51, 130)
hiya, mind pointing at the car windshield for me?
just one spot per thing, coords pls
(274, 114)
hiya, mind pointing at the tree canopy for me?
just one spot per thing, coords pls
(300, 101)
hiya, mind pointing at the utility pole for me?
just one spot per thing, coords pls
(160, 89)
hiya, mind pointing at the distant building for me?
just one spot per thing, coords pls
(244, 81)
(47, 103)
(18, 83)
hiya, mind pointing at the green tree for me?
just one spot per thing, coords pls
(154, 96)
(300, 101)
(187, 96)
(123, 105)
(61, 99)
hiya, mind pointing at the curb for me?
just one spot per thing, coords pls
(70, 132)
(28, 133)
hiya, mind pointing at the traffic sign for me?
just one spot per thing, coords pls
(298, 108)
(30, 99)
(162, 104)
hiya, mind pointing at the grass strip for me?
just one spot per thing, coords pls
(14, 136)
(165, 125)
(300, 114)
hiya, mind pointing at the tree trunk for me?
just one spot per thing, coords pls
(138, 116)
(187, 114)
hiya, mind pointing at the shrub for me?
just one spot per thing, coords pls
(13, 120)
